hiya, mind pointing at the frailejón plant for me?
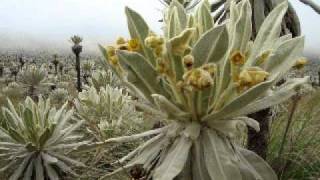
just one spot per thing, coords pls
(102, 78)
(77, 49)
(34, 140)
(32, 78)
(59, 96)
(108, 112)
(206, 77)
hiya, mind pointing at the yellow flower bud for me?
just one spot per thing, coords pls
(120, 41)
(245, 79)
(134, 45)
(111, 51)
(155, 43)
(158, 51)
(237, 58)
(114, 60)
(162, 66)
(252, 76)
(300, 63)
(198, 78)
(188, 61)
(151, 41)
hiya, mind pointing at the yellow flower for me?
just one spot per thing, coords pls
(237, 58)
(158, 51)
(134, 45)
(114, 60)
(120, 41)
(300, 63)
(252, 76)
(162, 66)
(111, 51)
(155, 43)
(112, 57)
(198, 78)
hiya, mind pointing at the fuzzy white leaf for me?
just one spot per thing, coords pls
(211, 47)
(175, 160)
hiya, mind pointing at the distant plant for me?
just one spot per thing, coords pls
(55, 62)
(14, 70)
(61, 68)
(87, 67)
(206, 78)
(59, 96)
(102, 78)
(32, 78)
(22, 62)
(77, 49)
(108, 112)
(13, 91)
(35, 139)
(1, 70)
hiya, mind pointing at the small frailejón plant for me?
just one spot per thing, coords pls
(205, 77)
(108, 112)
(13, 91)
(34, 140)
(32, 78)
(101, 78)
(59, 96)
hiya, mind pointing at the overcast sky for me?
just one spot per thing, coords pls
(40, 23)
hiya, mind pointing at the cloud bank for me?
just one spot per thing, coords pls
(47, 24)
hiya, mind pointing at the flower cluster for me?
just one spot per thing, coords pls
(155, 43)
(122, 44)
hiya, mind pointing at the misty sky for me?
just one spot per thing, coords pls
(49, 23)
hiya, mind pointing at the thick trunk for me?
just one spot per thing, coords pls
(56, 69)
(258, 141)
(78, 69)
(32, 93)
(319, 78)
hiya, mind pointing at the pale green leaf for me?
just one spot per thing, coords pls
(174, 162)
(269, 32)
(139, 30)
(146, 75)
(211, 47)
(212, 160)
(260, 166)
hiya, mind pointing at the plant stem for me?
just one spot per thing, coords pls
(290, 120)
(78, 72)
